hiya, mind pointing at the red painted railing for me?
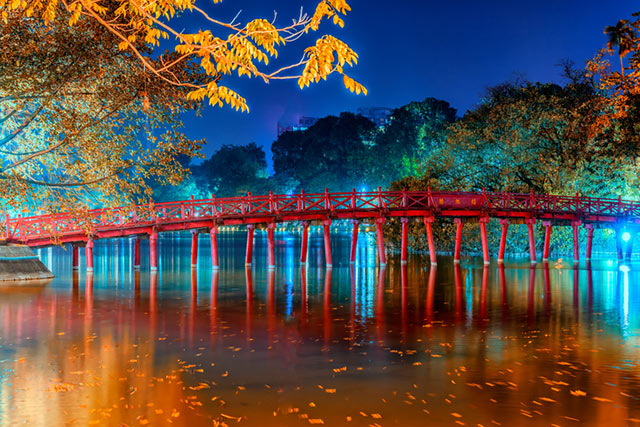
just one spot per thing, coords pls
(303, 206)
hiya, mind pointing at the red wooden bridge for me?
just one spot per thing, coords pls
(207, 215)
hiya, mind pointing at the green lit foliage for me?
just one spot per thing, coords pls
(414, 131)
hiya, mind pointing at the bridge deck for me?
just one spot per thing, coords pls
(46, 230)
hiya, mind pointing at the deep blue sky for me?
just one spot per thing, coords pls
(410, 50)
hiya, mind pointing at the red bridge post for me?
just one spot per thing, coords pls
(136, 253)
(380, 238)
(405, 237)
(326, 225)
(249, 255)
(547, 240)
(153, 250)
(428, 220)
(89, 254)
(483, 238)
(194, 248)
(589, 228)
(75, 259)
(354, 240)
(304, 250)
(503, 239)
(576, 242)
(271, 244)
(456, 252)
(532, 240)
(213, 235)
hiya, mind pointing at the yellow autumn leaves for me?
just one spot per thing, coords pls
(220, 49)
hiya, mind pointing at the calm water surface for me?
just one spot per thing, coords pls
(359, 345)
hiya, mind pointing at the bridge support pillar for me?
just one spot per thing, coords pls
(619, 232)
(249, 255)
(75, 259)
(532, 240)
(428, 222)
(136, 253)
(194, 248)
(405, 238)
(89, 255)
(271, 244)
(380, 238)
(503, 240)
(213, 235)
(354, 240)
(547, 240)
(576, 242)
(456, 251)
(304, 250)
(483, 238)
(326, 227)
(589, 228)
(630, 245)
(153, 250)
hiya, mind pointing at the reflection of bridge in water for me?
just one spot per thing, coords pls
(199, 216)
(373, 310)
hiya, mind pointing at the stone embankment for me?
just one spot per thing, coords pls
(20, 264)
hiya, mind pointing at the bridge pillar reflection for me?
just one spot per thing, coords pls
(503, 239)
(483, 237)
(89, 254)
(428, 221)
(532, 241)
(271, 244)
(589, 228)
(213, 234)
(576, 242)
(547, 240)
(326, 226)
(405, 238)
(194, 248)
(153, 250)
(304, 250)
(380, 239)
(354, 240)
(136, 253)
(456, 252)
(249, 255)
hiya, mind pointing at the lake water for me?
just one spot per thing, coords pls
(412, 346)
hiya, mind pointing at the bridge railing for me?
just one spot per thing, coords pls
(306, 203)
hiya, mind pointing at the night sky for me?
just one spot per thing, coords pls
(411, 50)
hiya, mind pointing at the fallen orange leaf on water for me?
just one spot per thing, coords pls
(577, 393)
(315, 421)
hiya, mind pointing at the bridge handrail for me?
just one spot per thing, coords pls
(271, 204)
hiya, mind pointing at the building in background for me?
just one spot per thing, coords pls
(378, 115)
(303, 123)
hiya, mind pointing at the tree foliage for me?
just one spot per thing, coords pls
(220, 48)
(333, 153)
(82, 123)
(90, 102)
(234, 171)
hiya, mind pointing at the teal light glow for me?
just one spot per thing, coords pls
(626, 236)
